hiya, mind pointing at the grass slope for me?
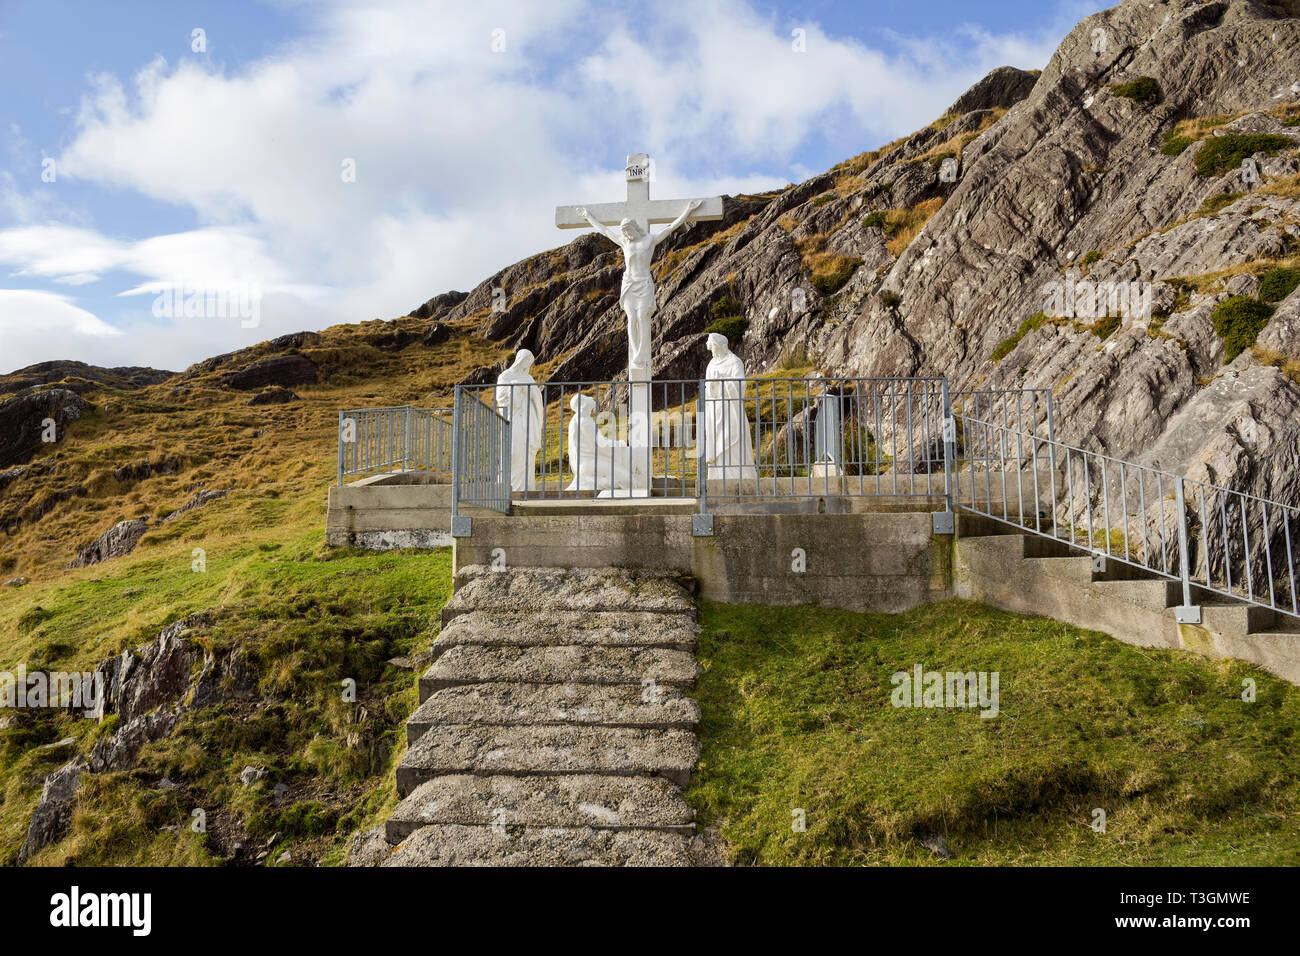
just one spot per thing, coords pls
(302, 619)
(797, 715)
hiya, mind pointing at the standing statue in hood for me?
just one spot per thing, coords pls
(728, 446)
(519, 400)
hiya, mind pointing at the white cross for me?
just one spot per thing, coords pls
(638, 207)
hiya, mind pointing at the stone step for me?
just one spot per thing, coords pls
(459, 845)
(608, 705)
(560, 664)
(1153, 594)
(478, 588)
(609, 629)
(575, 800)
(564, 749)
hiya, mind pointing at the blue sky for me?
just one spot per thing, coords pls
(226, 167)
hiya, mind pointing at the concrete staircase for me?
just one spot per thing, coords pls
(555, 725)
(1030, 574)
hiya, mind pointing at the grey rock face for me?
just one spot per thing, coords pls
(274, 396)
(1003, 88)
(54, 810)
(282, 370)
(114, 543)
(22, 421)
(200, 499)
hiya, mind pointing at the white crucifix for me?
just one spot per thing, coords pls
(633, 219)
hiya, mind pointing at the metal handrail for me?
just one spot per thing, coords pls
(1205, 544)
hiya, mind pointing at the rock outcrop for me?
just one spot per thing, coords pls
(282, 370)
(117, 541)
(149, 689)
(25, 421)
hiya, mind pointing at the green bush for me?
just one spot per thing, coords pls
(1144, 89)
(1091, 257)
(731, 327)
(1278, 284)
(891, 300)
(725, 308)
(874, 220)
(1174, 145)
(1222, 153)
(823, 199)
(1238, 321)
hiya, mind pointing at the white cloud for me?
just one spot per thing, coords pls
(460, 152)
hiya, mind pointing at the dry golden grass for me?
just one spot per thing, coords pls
(904, 225)
(1285, 364)
(277, 460)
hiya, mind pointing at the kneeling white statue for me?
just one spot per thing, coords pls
(519, 400)
(728, 446)
(598, 463)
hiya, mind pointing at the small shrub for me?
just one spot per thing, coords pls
(726, 307)
(731, 327)
(1277, 284)
(32, 619)
(823, 199)
(891, 300)
(1090, 258)
(1144, 89)
(1238, 322)
(1174, 144)
(874, 220)
(1222, 153)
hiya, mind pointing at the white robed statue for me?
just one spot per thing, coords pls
(519, 400)
(728, 446)
(598, 463)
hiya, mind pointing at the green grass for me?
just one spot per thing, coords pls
(1238, 321)
(1145, 89)
(797, 716)
(1031, 324)
(1221, 153)
(302, 619)
(1175, 144)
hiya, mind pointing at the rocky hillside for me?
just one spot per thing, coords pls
(1121, 163)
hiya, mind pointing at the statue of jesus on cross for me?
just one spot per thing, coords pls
(632, 220)
(637, 294)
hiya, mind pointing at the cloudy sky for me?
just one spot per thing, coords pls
(342, 160)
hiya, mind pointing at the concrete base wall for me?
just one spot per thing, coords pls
(861, 562)
(389, 511)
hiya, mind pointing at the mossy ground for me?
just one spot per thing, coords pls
(797, 716)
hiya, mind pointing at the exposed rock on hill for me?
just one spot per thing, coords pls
(274, 396)
(47, 373)
(22, 421)
(282, 370)
(116, 541)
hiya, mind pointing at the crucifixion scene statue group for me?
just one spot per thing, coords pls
(600, 463)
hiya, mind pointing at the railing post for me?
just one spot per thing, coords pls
(1051, 457)
(1186, 613)
(340, 438)
(701, 522)
(460, 524)
(944, 521)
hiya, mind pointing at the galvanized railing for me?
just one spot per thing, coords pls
(1207, 537)
(481, 455)
(377, 441)
(724, 438)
